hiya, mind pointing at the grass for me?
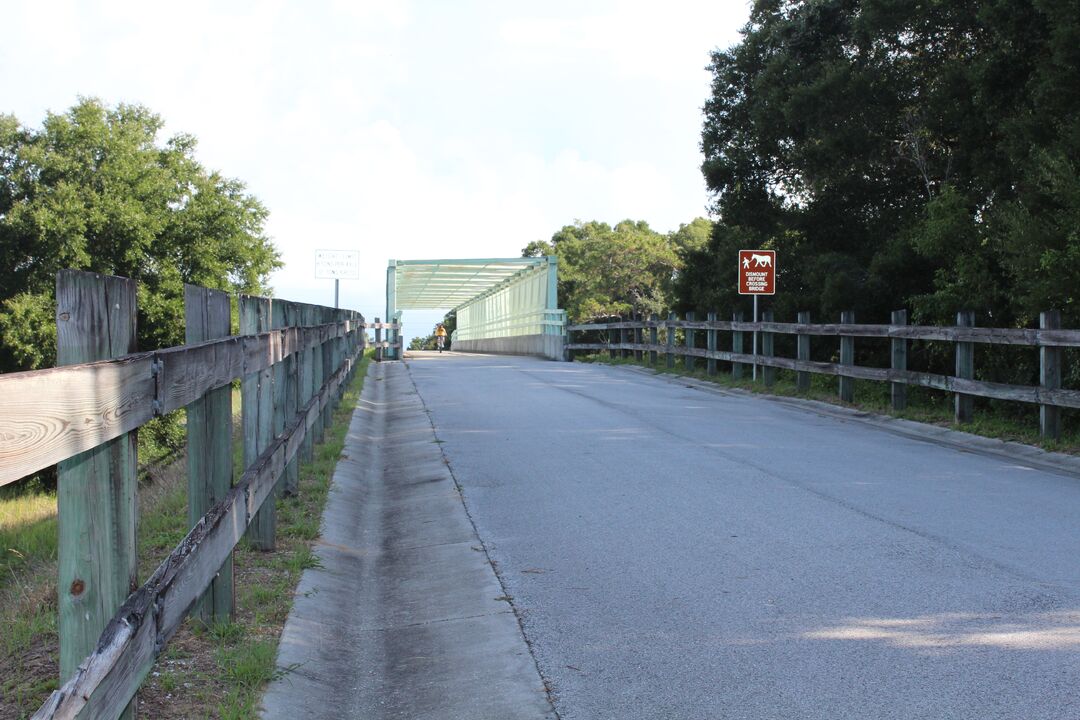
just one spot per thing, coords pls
(1018, 422)
(206, 671)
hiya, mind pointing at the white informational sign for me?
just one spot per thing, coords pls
(337, 265)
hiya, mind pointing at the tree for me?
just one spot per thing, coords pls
(94, 190)
(898, 152)
(606, 271)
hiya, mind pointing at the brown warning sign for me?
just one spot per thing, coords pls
(757, 272)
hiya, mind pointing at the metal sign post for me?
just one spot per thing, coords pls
(757, 276)
(337, 264)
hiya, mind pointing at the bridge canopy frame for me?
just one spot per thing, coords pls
(502, 304)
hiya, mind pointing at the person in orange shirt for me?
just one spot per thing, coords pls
(440, 336)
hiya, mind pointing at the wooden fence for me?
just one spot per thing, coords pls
(294, 361)
(641, 337)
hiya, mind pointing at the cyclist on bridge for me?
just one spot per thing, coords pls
(440, 336)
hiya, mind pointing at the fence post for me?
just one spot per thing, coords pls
(208, 316)
(965, 368)
(654, 339)
(95, 320)
(306, 381)
(328, 358)
(710, 344)
(768, 372)
(292, 396)
(899, 362)
(802, 354)
(689, 360)
(638, 337)
(736, 346)
(378, 341)
(847, 357)
(1050, 377)
(256, 408)
(279, 320)
(670, 341)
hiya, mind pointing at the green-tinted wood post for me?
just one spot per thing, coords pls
(208, 316)
(257, 411)
(95, 320)
(847, 357)
(279, 320)
(315, 319)
(768, 372)
(737, 346)
(671, 341)
(802, 354)
(328, 349)
(898, 390)
(292, 397)
(319, 376)
(638, 355)
(378, 341)
(965, 368)
(690, 336)
(612, 336)
(624, 334)
(654, 338)
(710, 345)
(306, 380)
(1050, 377)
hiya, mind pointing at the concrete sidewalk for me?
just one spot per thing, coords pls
(405, 618)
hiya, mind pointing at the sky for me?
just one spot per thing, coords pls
(400, 129)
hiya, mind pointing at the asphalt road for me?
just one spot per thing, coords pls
(680, 553)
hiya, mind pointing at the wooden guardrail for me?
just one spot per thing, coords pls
(625, 337)
(294, 361)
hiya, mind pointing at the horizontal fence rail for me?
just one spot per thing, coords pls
(294, 361)
(51, 415)
(627, 336)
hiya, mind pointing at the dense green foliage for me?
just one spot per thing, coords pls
(94, 190)
(630, 268)
(898, 153)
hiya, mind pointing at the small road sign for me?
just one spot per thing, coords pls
(337, 264)
(757, 272)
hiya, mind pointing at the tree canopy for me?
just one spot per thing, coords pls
(898, 153)
(94, 189)
(606, 271)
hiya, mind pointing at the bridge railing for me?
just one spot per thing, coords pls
(641, 337)
(294, 361)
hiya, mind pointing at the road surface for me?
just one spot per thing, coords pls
(673, 552)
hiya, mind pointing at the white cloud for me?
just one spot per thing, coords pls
(403, 129)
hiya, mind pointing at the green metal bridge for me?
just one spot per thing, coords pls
(503, 305)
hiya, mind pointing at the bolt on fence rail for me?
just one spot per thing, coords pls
(294, 361)
(1050, 338)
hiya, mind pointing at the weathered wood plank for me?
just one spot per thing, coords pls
(992, 336)
(107, 679)
(51, 415)
(208, 316)
(96, 489)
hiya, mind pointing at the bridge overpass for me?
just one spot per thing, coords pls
(514, 538)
